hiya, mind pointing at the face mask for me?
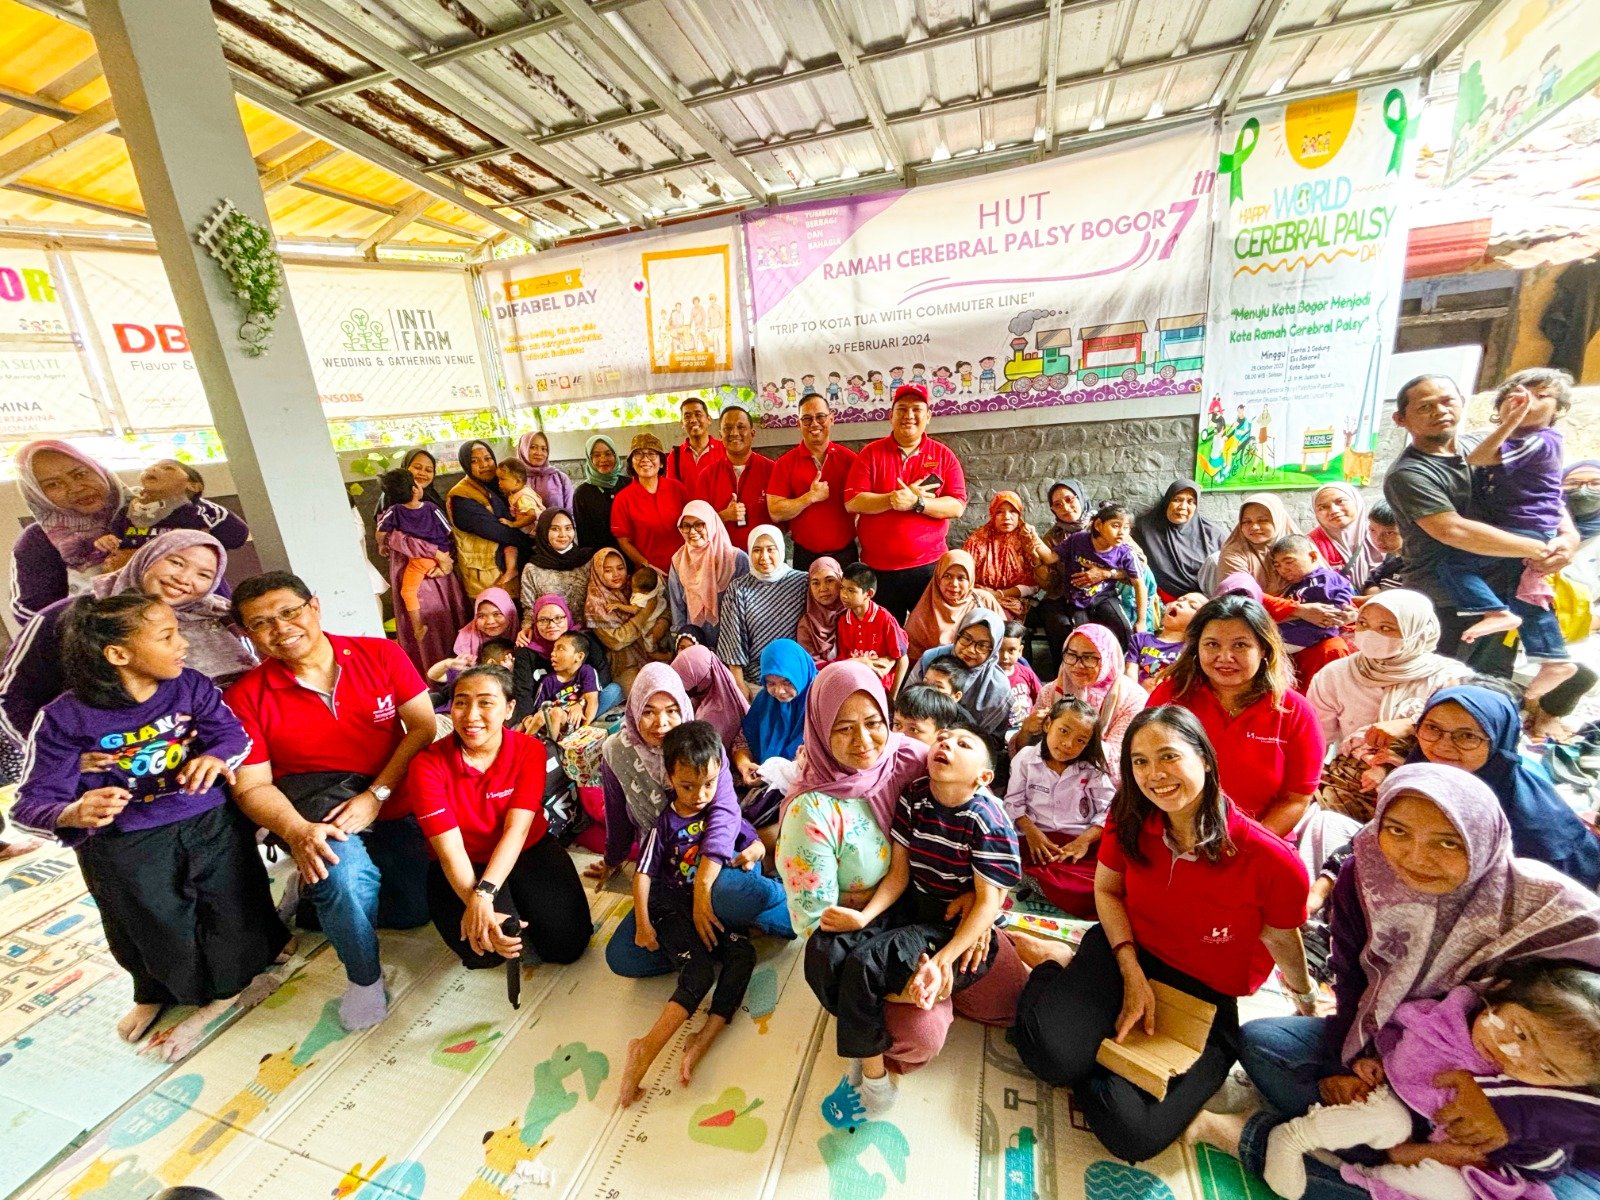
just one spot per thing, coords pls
(1377, 645)
(1583, 502)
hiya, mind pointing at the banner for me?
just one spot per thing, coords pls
(652, 313)
(1305, 292)
(1075, 280)
(382, 343)
(1528, 62)
(43, 388)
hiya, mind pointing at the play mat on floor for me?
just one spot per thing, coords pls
(456, 1095)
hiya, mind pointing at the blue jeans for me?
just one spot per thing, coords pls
(1479, 583)
(379, 880)
(610, 697)
(743, 900)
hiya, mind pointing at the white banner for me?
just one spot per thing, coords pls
(1305, 293)
(43, 387)
(652, 313)
(1076, 280)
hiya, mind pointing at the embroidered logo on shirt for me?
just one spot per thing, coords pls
(498, 795)
(383, 709)
(1218, 935)
(1261, 737)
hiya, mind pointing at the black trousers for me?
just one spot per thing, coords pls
(186, 907)
(697, 966)
(899, 591)
(543, 889)
(847, 554)
(1063, 1015)
(1059, 622)
(851, 973)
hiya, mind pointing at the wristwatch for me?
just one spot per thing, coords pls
(1305, 997)
(919, 505)
(485, 888)
(382, 793)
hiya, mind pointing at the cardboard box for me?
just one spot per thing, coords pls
(1149, 1061)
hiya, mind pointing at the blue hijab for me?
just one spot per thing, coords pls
(1543, 825)
(775, 728)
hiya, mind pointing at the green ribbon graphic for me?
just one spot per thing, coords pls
(1232, 165)
(1395, 117)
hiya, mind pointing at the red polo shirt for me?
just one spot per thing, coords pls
(822, 527)
(1263, 753)
(1206, 918)
(877, 635)
(650, 520)
(293, 728)
(893, 541)
(445, 793)
(690, 471)
(751, 488)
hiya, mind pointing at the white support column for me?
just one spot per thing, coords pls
(174, 101)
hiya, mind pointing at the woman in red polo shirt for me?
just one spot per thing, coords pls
(1191, 893)
(644, 516)
(1233, 673)
(478, 796)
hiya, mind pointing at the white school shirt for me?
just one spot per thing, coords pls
(1067, 803)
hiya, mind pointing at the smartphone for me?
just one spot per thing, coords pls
(931, 481)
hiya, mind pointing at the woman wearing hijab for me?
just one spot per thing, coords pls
(557, 563)
(1262, 521)
(717, 696)
(702, 569)
(630, 632)
(818, 628)
(950, 595)
(486, 550)
(634, 779)
(74, 500)
(494, 615)
(1580, 487)
(550, 482)
(1176, 539)
(1006, 553)
(833, 843)
(773, 728)
(1341, 534)
(183, 567)
(760, 607)
(551, 617)
(1091, 671)
(1392, 673)
(1399, 935)
(591, 500)
(1479, 730)
(424, 469)
(1069, 505)
(987, 696)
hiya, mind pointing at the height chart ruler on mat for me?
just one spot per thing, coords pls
(1076, 280)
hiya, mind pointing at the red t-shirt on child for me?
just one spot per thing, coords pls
(877, 635)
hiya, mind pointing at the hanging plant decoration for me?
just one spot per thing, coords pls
(243, 248)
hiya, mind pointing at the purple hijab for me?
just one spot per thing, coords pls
(1419, 946)
(551, 483)
(718, 698)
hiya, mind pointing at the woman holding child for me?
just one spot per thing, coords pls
(630, 631)
(74, 501)
(1248, 549)
(486, 545)
(1341, 535)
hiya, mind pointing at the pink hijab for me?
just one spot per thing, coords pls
(535, 642)
(653, 679)
(705, 574)
(880, 785)
(1111, 659)
(468, 639)
(716, 696)
(818, 630)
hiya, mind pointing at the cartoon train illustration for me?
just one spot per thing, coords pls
(1109, 351)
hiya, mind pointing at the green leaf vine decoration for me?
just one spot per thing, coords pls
(244, 249)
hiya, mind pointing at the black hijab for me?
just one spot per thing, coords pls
(546, 557)
(429, 492)
(492, 499)
(1176, 552)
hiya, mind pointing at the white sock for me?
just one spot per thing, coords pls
(363, 1005)
(877, 1095)
(1285, 1166)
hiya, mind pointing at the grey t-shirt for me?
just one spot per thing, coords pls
(1423, 485)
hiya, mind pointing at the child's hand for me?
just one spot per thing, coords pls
(198, 774)
(932, 982)
(842, 920)
(107, 542)
(95, 809)
(504, 521)
(706, 922)
(1040, 848)
(1369, 1071)
(1342, 1089)
(96, 760)
(1514, 407)
(1074, 850)
(750, 773)
(644, 935)
(1469, 1119)
(749, 856)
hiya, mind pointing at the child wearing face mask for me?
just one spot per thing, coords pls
(170, 495)
(1529, 1046)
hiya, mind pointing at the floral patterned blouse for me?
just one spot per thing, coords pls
(827, 847)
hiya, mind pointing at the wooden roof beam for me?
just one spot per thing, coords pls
(89, 123)
(296, 166)
(403, 216)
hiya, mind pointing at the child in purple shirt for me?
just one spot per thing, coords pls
(173, 868)
(1094, 561)
(1310, 581)
(171, 495)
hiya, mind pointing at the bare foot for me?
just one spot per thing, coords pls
(180, 1041)
(1035, 950)
(1542, 725)
(695, 1048)
(1498, 622)
(137, 1020)
(1550, 675)
(633, 1070)
(18, 848)
(288, 951)
(1221, 1130)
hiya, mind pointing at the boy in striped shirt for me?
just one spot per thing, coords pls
(924, 933)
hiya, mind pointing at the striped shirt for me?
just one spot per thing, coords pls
(948, 846)
(755, 613)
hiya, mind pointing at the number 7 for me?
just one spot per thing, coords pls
(1184, 209)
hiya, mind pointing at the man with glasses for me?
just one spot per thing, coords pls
(806, 489)
(737, 484)
(691, 460)
(334, 721)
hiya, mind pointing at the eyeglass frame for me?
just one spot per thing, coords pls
(287, 616)
(1461, 739)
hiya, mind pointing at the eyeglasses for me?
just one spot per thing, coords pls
(1461, 739)
(815, 418)
(983, 645)
(287, 616)
(546, 622)
(1072, 658)
(688, 527)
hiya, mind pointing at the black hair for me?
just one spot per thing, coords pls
(1380, 512)
(1130, 808)
(863, 576)
(696, 744)
(88, 627)
(487, 671)
(198, 480)
(1565, 994)
(1403, 396)
(923, 703)
(1110, 511)
(578, 641)
(1533, 377)
(735, 408)
(688, 400)
(1015, 629)
(397, 486)
(960, 674)
(514, 468)
(258, 586)
(1292, 543)
(1093, 752)
(494, 645)
(983, 739)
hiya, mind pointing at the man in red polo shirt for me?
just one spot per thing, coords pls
(737, 484)
(905, 489)
(692, 459)
(807, 490)
(319, 709)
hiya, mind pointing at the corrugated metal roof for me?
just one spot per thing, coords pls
(565, 117)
